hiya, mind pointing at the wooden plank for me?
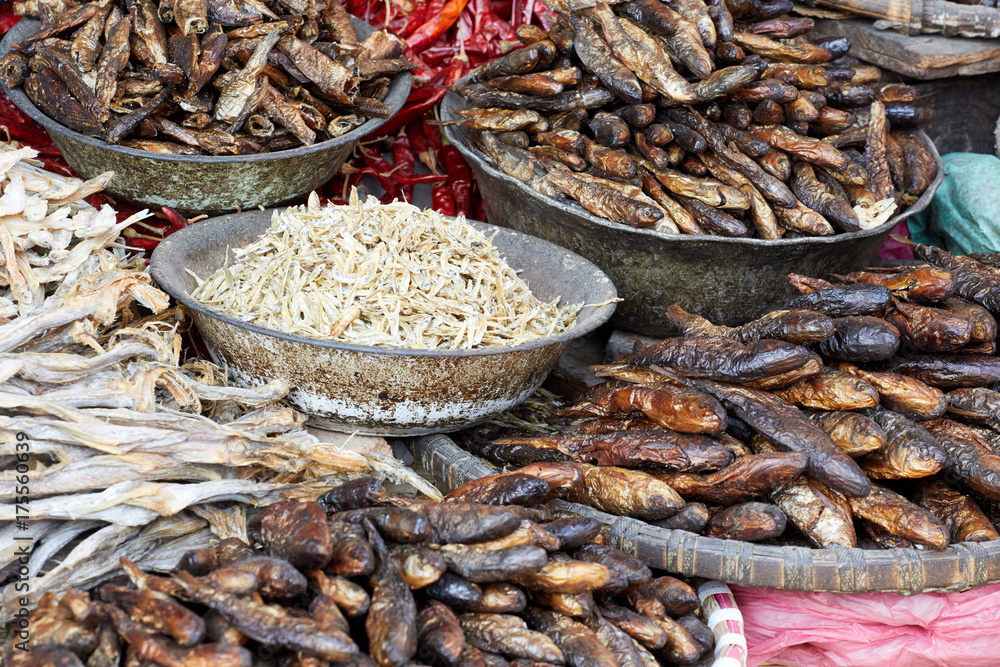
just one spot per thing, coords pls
(919, 56)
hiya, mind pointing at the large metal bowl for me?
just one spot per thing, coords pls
(202, 183)
(383, 390)
(729, 281)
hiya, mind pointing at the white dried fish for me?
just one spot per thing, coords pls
(374, 274)
(46, 229)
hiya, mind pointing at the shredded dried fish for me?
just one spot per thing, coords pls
(47, 230)
(374, 274)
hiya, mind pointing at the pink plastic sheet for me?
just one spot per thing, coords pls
(871, 629)
(893, 249)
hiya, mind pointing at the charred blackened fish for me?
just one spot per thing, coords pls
(625, 492)
(860, 339)
(789, 430)
(606, 202)
(297, 532)
(485, 565)
(158, 611)
(270, 624)
(633, 569)
(930, 329)
(352, 555)
(663, 448)
(391, 621)
(504, 489)
(692, 518)
(438, 631)
(596, 54)
(399, 524)
(948, 371)
(830, 390)
(721, 358)
(845, 301)
(969, 456)
(972, 280)
(747, 522)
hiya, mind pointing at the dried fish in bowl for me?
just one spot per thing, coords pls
(761, 141)
(381, 274)
(303, 76)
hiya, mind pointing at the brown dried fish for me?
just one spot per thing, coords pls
(746, 478)
(439, 632)
(392, 616)
(856, 434)
(508, 635)
(789, 430)
(747, 522)
(578, 643)
(965, 521)
(911, 451)
(898, 516)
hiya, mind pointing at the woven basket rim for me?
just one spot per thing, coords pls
(907, 571)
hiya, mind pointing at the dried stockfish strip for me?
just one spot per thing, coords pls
(374, 274)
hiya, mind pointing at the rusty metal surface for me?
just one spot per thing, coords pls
(729, 281)
(378, 390)
(210, 184)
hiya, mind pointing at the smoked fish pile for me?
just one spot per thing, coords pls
(217, 77)
(867, 406)
(362, 577)
(700, 117)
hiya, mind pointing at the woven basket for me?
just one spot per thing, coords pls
(906, 571)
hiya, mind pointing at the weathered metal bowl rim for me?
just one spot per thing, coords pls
(160, 261)
(679, 551)
(400, 82)
(473, 154)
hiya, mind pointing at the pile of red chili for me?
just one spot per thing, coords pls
(445, 38)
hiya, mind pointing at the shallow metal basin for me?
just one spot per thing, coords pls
(210, 184)
(382, 390)
(730, 281)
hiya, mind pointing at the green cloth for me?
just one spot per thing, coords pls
(964, 216)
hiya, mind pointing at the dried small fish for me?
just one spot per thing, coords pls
(437, 301)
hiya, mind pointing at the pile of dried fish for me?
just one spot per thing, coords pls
(365, 578)
(47, 230)
(120, 438)
(875, 399)
(221, 77)
(381, 274)
(715, 117)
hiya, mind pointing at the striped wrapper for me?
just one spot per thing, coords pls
(726, 622)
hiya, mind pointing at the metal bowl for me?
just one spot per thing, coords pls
(730, 281)
(202, 183)
(383, 390)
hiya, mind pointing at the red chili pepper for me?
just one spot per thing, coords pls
(459, 178)
(438, 23)
(175, 219)
(442, 200)
(404, 162)
(421, 145)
